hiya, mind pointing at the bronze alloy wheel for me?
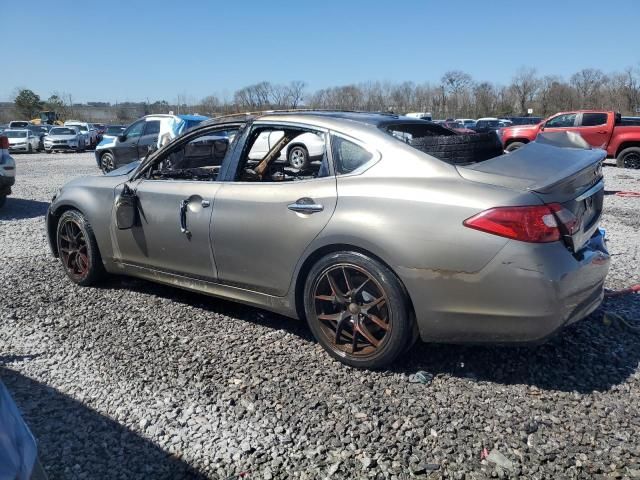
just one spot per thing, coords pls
(72, 246)
(352, 310)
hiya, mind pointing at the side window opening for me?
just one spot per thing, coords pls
(134, 130)
(562, 121)
(198, 159)
(152, 127)
(280, 154)
(593, 119)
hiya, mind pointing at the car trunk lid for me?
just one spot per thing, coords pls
(571, 177)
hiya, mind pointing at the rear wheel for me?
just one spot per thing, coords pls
(30, 149)
(106, 162)
(514, 146)
(3, 199)
(629, 158)
(357, 309)
(78, 249)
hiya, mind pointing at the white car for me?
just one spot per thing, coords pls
(90, 133)
(22, 140)
(7, 170)
(298, 153)
(19, 124)
(421, 115)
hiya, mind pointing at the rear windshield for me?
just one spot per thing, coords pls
(62, 131)
(19, 124)
(11, 134)
(81, 127)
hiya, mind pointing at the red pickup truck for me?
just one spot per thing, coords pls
(606, 130)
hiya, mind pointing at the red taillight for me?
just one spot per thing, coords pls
(4, 143)
(535, 223)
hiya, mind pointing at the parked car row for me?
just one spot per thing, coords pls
(7, 170)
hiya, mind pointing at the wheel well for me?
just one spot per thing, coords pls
(624, 145)
(52, 226)
(513, 140)
(321, 252)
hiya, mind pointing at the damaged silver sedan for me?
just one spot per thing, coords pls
(397, 229)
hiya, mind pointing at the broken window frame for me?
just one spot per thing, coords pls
(249, 138)
(144, 169)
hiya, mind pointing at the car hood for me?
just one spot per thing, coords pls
(124, 170)
(107, 141)
(13, 140)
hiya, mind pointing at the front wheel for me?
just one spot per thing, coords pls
(106, 162)
(514, 146)
(3, 199)
(629, 158)
(78, 249)
(30, 148)
(357, 309)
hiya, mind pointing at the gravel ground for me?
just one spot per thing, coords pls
(135, 380)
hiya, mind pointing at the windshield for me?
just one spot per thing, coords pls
(81, 127)
(14, 134)
(19, 124)
(62, 131)
(114, 130)
(191, 123)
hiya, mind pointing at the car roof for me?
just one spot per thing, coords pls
(326, 119)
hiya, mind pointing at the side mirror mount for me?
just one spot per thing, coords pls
(126, 209)
(122, 137)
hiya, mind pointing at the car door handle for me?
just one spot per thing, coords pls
(184, 204)
(603, 131)
(305, 205)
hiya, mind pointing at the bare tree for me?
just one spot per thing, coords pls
(588, 83)
(525, 84)
(295, 92)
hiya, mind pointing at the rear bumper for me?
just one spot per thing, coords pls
(526, 293)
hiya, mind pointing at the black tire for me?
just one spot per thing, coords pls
(78, 249)
(629, 158)
(107, 162)
(514, 146)
(49, 151)
(460, 149)
(30, 149)
(357, 303)
(298, 157)
(3, 200)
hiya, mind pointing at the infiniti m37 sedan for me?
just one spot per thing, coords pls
(374, 242)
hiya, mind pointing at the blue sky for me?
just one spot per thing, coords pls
(133, 50)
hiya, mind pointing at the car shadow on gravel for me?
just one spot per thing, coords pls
(585, 357)
(70, 433)
(591, 355)
(22, 208)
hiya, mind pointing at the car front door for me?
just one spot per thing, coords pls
(594, 129)
(561, 123)
(260, 229)
(126, 151)
(149, 138)
(172, 231)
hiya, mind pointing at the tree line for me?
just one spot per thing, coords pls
(456, 95)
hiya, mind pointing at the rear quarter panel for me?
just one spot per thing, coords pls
(622, 136)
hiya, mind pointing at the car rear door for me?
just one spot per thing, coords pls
(149, 137)
(260, 229)
(596, 128)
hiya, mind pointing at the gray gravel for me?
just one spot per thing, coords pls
(135, 380)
